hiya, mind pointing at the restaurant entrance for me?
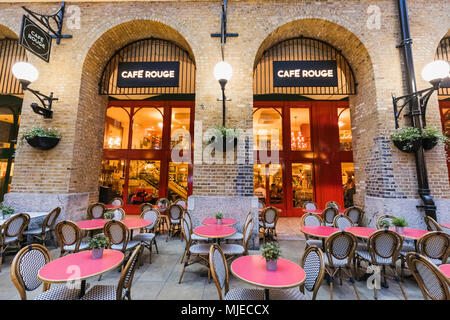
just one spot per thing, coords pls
(301, 114)
(148, 124)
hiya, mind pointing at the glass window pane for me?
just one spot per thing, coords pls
(446, 121)
(178, 181)
(302, 183)
(147, 128)
(275, 184)
(267, 129)
(143, 182)
(300, 129)
(116, 128)
(345, 129)
(181, 119)
(348, 182)
(112, 180)
(259, 181)
(6, 125)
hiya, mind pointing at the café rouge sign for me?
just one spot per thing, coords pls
(321, 73)
(148, 74)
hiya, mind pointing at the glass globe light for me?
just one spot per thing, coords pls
(222, 71)
(25, 71)
(436, 71)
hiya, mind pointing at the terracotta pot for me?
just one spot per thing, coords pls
(43, 143)
(271, 265)
(97, 253)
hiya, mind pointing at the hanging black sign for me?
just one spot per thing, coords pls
(321, 73)
(148, 74)
(35, 39)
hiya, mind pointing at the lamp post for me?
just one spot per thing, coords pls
(27, 73)
(222, 73)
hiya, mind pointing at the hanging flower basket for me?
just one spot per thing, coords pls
(429, 143)
(407, 139)
(408, 146)
(226, 135)
(431, 136)
(43, 143)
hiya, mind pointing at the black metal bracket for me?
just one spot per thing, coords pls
(46, 101)
(223, 35)
(47, 20)
(404, 42)
(422, 95)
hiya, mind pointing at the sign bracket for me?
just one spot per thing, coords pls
(52, 19)
(223, 35)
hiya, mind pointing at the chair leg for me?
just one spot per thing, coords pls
(399, 280)
(331, 287)
(182, 257)
(184, 267)
(156, 246)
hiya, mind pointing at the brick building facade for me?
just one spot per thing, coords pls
(365, 32)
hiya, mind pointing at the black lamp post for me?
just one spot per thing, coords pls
(222, 73)
(27, 73)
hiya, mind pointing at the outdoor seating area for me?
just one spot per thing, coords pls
(109, 256)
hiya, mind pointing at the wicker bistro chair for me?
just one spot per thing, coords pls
(240, 235)
(195, 238)
(24, 275)
(314, 266)
(312, 219)
(11, 232)
(268, 223)
(48, 226)
(220, 275)
(332, 204)
(355, 214)
(119, 214)
(121, 291)
(310, 205)
(145, 206)
(435, 246)
(384, 248)
(70, 237)
(341, 222)
(116, 201)
(198, 252)
(233, 250)
(118, 236)
(384, 217)
(339, 252)
(147, 236)
(96, 211)
(174, 212)
(181, 202)
(432, 224)
(328, 215)
(261, 205)
(430, 279)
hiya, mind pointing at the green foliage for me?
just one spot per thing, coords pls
(98, 242)
(385, 223)
(6, 210)
(434, 133)
(109, 214)
(332, 204)
(219, 131)
(271, 251)
(163, 201)
(219, 215)
(39, 131)
(399, 222)
(406, 134)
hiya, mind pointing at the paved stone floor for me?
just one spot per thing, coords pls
(159, 280)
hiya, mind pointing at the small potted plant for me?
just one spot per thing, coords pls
(7, 211)
(431, 136)
(97, 244)
(163, 202)
(333, 204)
(407, 139)
(41, 138)
(385, 224)
(400, 224)
(271, 252)
(219, 217)
(109, 215)
(227, 135)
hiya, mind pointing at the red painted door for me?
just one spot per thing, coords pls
(444, 107)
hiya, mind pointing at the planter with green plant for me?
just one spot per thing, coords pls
(399, 224)
(219, 217)
(407, 139)
(385, 224)
(163, 203)
(97, 244)
(109, 215)
(332, 204)
(42, 138)
(222, 136)
(271, 252)
(7, 211)
(431, 136)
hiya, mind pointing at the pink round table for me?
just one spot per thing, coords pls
(225, 221)
(446, 225)
(410, 233)
(95, 224)
(112, 206)
(320, 211)
(214, 231)
(252, 269)
(321, 232)
(361, 232)
(445, 268)
(79, 267)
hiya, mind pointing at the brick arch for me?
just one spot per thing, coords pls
(363, 112)
(6, 32)
(91, 112)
